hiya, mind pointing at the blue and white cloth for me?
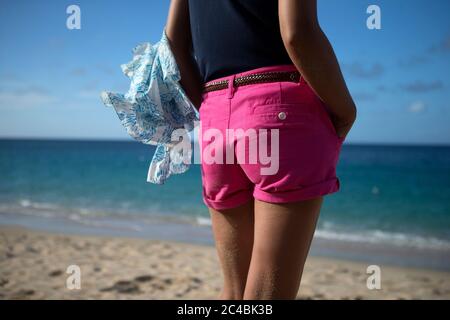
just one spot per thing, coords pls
(154, 106)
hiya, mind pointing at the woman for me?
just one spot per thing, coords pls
(263, 224)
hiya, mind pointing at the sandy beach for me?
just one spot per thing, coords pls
(33, 266)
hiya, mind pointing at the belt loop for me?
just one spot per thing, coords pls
(231, 86)
(301, 80)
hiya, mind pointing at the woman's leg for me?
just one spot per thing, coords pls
(233, 234)
(282, 238)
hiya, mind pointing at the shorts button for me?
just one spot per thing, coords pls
(282, 115)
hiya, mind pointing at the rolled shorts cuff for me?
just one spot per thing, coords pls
(304, 193)
(235, 200)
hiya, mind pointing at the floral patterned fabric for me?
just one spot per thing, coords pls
(154, 106)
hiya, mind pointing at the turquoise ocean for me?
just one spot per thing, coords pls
(393, 206)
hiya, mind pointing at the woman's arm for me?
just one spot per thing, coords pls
(179, 35)
(314, 57)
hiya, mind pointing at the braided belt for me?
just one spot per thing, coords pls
(292, 76)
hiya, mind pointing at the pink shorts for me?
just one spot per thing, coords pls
(304, 147)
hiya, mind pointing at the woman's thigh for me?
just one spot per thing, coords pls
(282, 238)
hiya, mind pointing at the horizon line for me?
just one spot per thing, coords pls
(131, 140)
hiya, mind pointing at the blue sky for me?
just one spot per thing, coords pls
(51, 77)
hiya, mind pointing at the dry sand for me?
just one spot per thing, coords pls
(33, 266)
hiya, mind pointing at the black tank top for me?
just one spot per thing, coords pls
(232, 36)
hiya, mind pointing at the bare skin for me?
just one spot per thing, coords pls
(233, 235)
(312, 54)
(180, 41)
(262, 247)
(283, 234)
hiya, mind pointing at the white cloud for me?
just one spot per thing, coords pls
(26, 98)
(417, 107)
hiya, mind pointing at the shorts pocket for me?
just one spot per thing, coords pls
(279, 115)
(302, 93)
(325, 114)
(296, 92)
